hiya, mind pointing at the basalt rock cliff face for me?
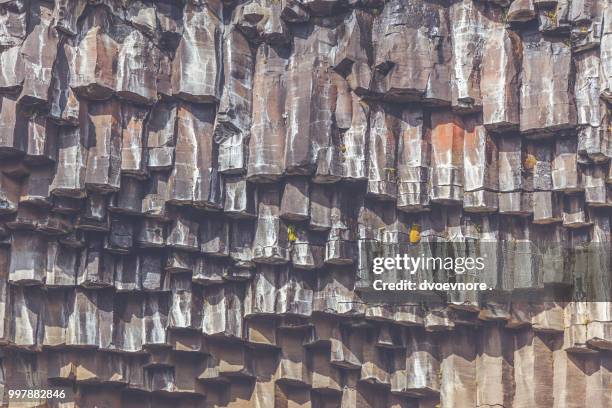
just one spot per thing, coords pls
(192, 193)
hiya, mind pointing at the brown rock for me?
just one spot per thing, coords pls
(133, 152)
(196, 68)
(64, 105)
(137, 68)
(295, 201)
(382, 176)
(606, 55)
(11, 69)
(66, 14)
(565, 175)
(38, 53)
(354, 54)
(234, 113)
(533, 356)
(447, 140)
(267, 142)
(35, 189)
(128, 200)
(346, 156)
(13, 127)
(239, 200)
(93, 73)
(13, 22)
(421, 358)
(10, 191)
(104, 157)
(28, 258)
(341, 241)
(310, 98)
(293, 12)
(471, 25)
(543, 58)
(262, 20)
(479, 168)
(194, 178)
(521, 11)
(413, 162)
(499, 83)
(413, 71)
(73, 146)
(458, 358)
(160, 135)
(271, 235)
(95, 216)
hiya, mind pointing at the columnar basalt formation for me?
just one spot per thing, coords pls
(192, 193)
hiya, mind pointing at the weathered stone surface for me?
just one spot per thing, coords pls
(13, 127)
(133, 153)
(606, 54)
(295, 201)
(42, 137)
(447, 141)
(104, 157)
(521, 11)
(35, 188)
(14, 23)
(64, 104)
(382, 184)
(271, 235)
(471, 26)
(419, 67)
(160, 136)
(196, 67)
(261, 21)
(546, 96)
(11, 69)
(310, 98)
(137, 68)
(413, 162)
(353, 56)
(239, 197)
(93, 72)
(10, 191)
(565, 175)
(268, 126)
(67, 13)
(38, 53)
(480, 168)
(73, 151)
(500, 78)
(233, 120)
(194, 178)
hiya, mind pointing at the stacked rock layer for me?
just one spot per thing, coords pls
(192, 192)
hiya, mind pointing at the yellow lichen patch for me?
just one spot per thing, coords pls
(415, 234)
(552, 14)
(291, 234)
(530, 162)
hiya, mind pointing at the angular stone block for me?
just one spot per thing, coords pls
(196, 68)
(233, 120)
(104, 156)
(447, 140)
(546, 76)
(420, 68)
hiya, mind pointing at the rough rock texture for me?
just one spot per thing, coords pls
(192, 193)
